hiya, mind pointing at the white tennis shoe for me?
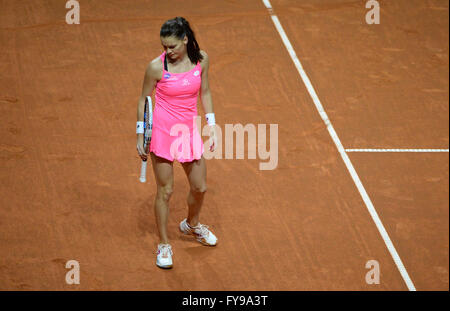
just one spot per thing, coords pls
(164, 256)
(201, 233)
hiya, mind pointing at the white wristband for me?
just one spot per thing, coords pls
(210, 118)
(140, 127)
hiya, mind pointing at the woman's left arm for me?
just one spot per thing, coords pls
(205, 91)
(205, 94)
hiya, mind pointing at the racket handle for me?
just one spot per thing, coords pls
(143, 171)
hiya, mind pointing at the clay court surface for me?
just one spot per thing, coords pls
(69, 166)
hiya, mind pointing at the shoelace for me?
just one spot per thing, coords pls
(202, 230)
(164, 249)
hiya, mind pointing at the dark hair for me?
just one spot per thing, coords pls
(179, 27)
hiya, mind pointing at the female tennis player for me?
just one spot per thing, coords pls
(179, 74)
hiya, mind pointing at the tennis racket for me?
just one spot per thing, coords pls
(148, 125)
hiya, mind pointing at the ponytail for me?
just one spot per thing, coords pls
(179, 27)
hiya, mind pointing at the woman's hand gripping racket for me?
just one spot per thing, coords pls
(148, 124)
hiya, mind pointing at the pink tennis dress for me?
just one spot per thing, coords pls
(175, 135)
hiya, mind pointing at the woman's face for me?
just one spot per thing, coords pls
(174, 47)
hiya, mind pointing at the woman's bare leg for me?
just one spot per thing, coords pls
(196, 174)
(163, 170)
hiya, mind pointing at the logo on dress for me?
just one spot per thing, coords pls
(186, 82)
(167, 76)
(196, 73)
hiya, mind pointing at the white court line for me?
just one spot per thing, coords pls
(341, 150)
(396, 150)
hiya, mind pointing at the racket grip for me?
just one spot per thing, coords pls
(143, 171)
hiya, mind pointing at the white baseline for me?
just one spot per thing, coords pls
(341, 150)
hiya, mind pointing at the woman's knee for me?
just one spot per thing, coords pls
(198, 189)
(165, 192)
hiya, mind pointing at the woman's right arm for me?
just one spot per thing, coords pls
(153, 73)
